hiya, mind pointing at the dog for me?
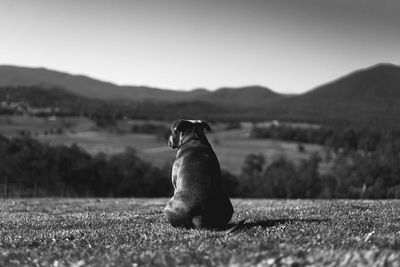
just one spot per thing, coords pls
(199, 200)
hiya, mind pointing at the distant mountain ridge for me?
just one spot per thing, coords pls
(378, 81)
(248, 96)
(82, 85)
(92, 88)
(373, 92)
(370, 93)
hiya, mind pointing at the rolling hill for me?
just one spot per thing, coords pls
(85, 86)
(249, 96)
(370, 93)
(379, 83)
(13, 76)
(373, 92)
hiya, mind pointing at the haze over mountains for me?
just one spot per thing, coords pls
(83, 85)
(373, 92)
(92, 88)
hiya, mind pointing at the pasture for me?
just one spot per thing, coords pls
(12, 125)
(134, 232)
(231, 146)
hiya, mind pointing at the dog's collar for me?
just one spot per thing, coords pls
(185, 139)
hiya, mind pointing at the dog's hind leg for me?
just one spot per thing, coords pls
(178, 219)
(179, 214)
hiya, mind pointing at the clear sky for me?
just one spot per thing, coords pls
(286, 45)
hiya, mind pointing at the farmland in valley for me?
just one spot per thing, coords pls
(231, 146)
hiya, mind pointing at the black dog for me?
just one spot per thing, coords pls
(199, 200)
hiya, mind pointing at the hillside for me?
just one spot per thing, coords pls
(68, 103)
(249, 96)
(12, 76)
(371, 93)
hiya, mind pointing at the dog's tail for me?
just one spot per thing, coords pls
(234, 228)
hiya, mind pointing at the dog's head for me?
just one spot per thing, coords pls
(181, 127)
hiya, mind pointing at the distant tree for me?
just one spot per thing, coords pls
(279, 180)
(308, 178)
(251, 173)
(231, 184)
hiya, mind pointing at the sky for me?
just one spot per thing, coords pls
(289, 46)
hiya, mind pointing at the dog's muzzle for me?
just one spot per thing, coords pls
(171, 142)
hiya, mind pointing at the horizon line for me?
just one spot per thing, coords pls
(88, 76)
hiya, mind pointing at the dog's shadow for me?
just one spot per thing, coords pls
(275, 222)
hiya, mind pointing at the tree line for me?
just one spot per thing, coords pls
(106, 113)
(352, 175)
(364, 162)
(69, 171)
(367, 137)
(353, 171)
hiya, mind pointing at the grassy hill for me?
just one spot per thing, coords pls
(248, 96)
(13, 76)
(371, 93)
(231, 146)
(379, 82)
(134, 232)
(368, 94)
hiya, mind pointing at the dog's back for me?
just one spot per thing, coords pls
(199, 200)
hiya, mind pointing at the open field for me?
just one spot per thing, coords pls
(11, 125)
(230, 146)
(134, 232)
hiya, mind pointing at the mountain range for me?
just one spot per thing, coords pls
(373, 92)
(370, 93)
(13, 76)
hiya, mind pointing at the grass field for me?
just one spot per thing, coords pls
(231, 146)
(11, 125)
(134, 232)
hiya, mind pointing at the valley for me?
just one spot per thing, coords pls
(230, 145)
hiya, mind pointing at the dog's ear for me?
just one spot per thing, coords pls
(184, 125)
(204, 125)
